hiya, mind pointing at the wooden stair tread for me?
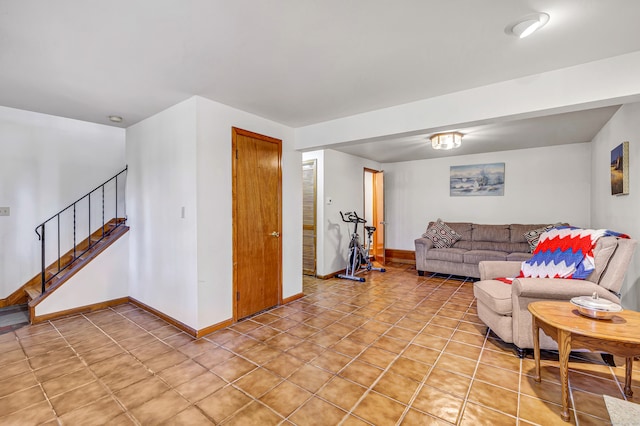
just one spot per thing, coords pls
(32, 291)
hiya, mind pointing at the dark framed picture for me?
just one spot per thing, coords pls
(620, 169)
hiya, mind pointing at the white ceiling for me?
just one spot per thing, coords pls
(296, 62)
(558, 129)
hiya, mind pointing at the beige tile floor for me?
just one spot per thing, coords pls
(398, 349)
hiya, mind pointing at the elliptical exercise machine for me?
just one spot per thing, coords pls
(358, 260)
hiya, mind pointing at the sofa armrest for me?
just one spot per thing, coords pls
(425, 243)
(490, 269)
(558, 289)
(422, 246)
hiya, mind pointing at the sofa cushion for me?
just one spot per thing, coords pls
(462, 244)
(494, 294)
(476, 256)
(518, 256)
(449, 254)
(506, 247)
(462, 228)
(441, 234)
(496, 233)
(518, 231)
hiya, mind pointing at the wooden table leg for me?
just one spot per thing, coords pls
(627, 377)
(564, 349)
(536, 347)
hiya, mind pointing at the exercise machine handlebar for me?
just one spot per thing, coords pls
(352, 217)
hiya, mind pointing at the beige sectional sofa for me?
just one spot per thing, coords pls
(479, 242)
(503, 307)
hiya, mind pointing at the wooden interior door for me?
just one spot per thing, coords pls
(309, 217)
(378, 216)
(257, 222)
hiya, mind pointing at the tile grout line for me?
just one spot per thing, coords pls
(474, 379)
(232, 383)
(461, 411)
(519, 385)
(426, 377)
(32, 371)
(238, 354)
(97, 379)
(370, 389)
(46, 396)
(234, 386)
(475, 371)
(153, 373)
(336, 374)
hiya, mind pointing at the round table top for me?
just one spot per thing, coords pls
(623, 327)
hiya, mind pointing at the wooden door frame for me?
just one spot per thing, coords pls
(374, 213)
(235, 131)
(380, 256)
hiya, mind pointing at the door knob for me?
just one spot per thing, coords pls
(275, 234)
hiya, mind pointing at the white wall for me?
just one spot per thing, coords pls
(104, 278)
(161, 153)
(341, 181)
(182, 158)
(47, 162)
(619, 213)
(215, 249)
(542, 185)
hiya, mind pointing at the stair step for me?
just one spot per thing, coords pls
(32, 292)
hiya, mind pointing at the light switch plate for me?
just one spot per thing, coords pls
(5, 211)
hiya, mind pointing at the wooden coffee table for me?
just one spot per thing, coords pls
(561, 321)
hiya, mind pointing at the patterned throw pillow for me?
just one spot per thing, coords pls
(534, 235)
(441, 235)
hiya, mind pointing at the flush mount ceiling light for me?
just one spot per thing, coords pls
(115, 118)
(447, 140)
(528, 25)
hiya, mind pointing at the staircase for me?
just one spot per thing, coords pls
(57, 273)
(61, 232)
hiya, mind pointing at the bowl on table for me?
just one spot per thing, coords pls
(594, 307)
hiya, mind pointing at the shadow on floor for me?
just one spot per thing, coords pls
(13, 318)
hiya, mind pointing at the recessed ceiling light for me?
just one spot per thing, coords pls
(528, 25)
(115, 118)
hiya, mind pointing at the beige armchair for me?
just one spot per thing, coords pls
(503, 307)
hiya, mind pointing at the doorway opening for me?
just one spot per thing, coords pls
(309, 200)
(373, 188)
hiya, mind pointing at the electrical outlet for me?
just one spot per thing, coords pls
(5, 211)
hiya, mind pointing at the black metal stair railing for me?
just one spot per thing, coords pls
(75, 209)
